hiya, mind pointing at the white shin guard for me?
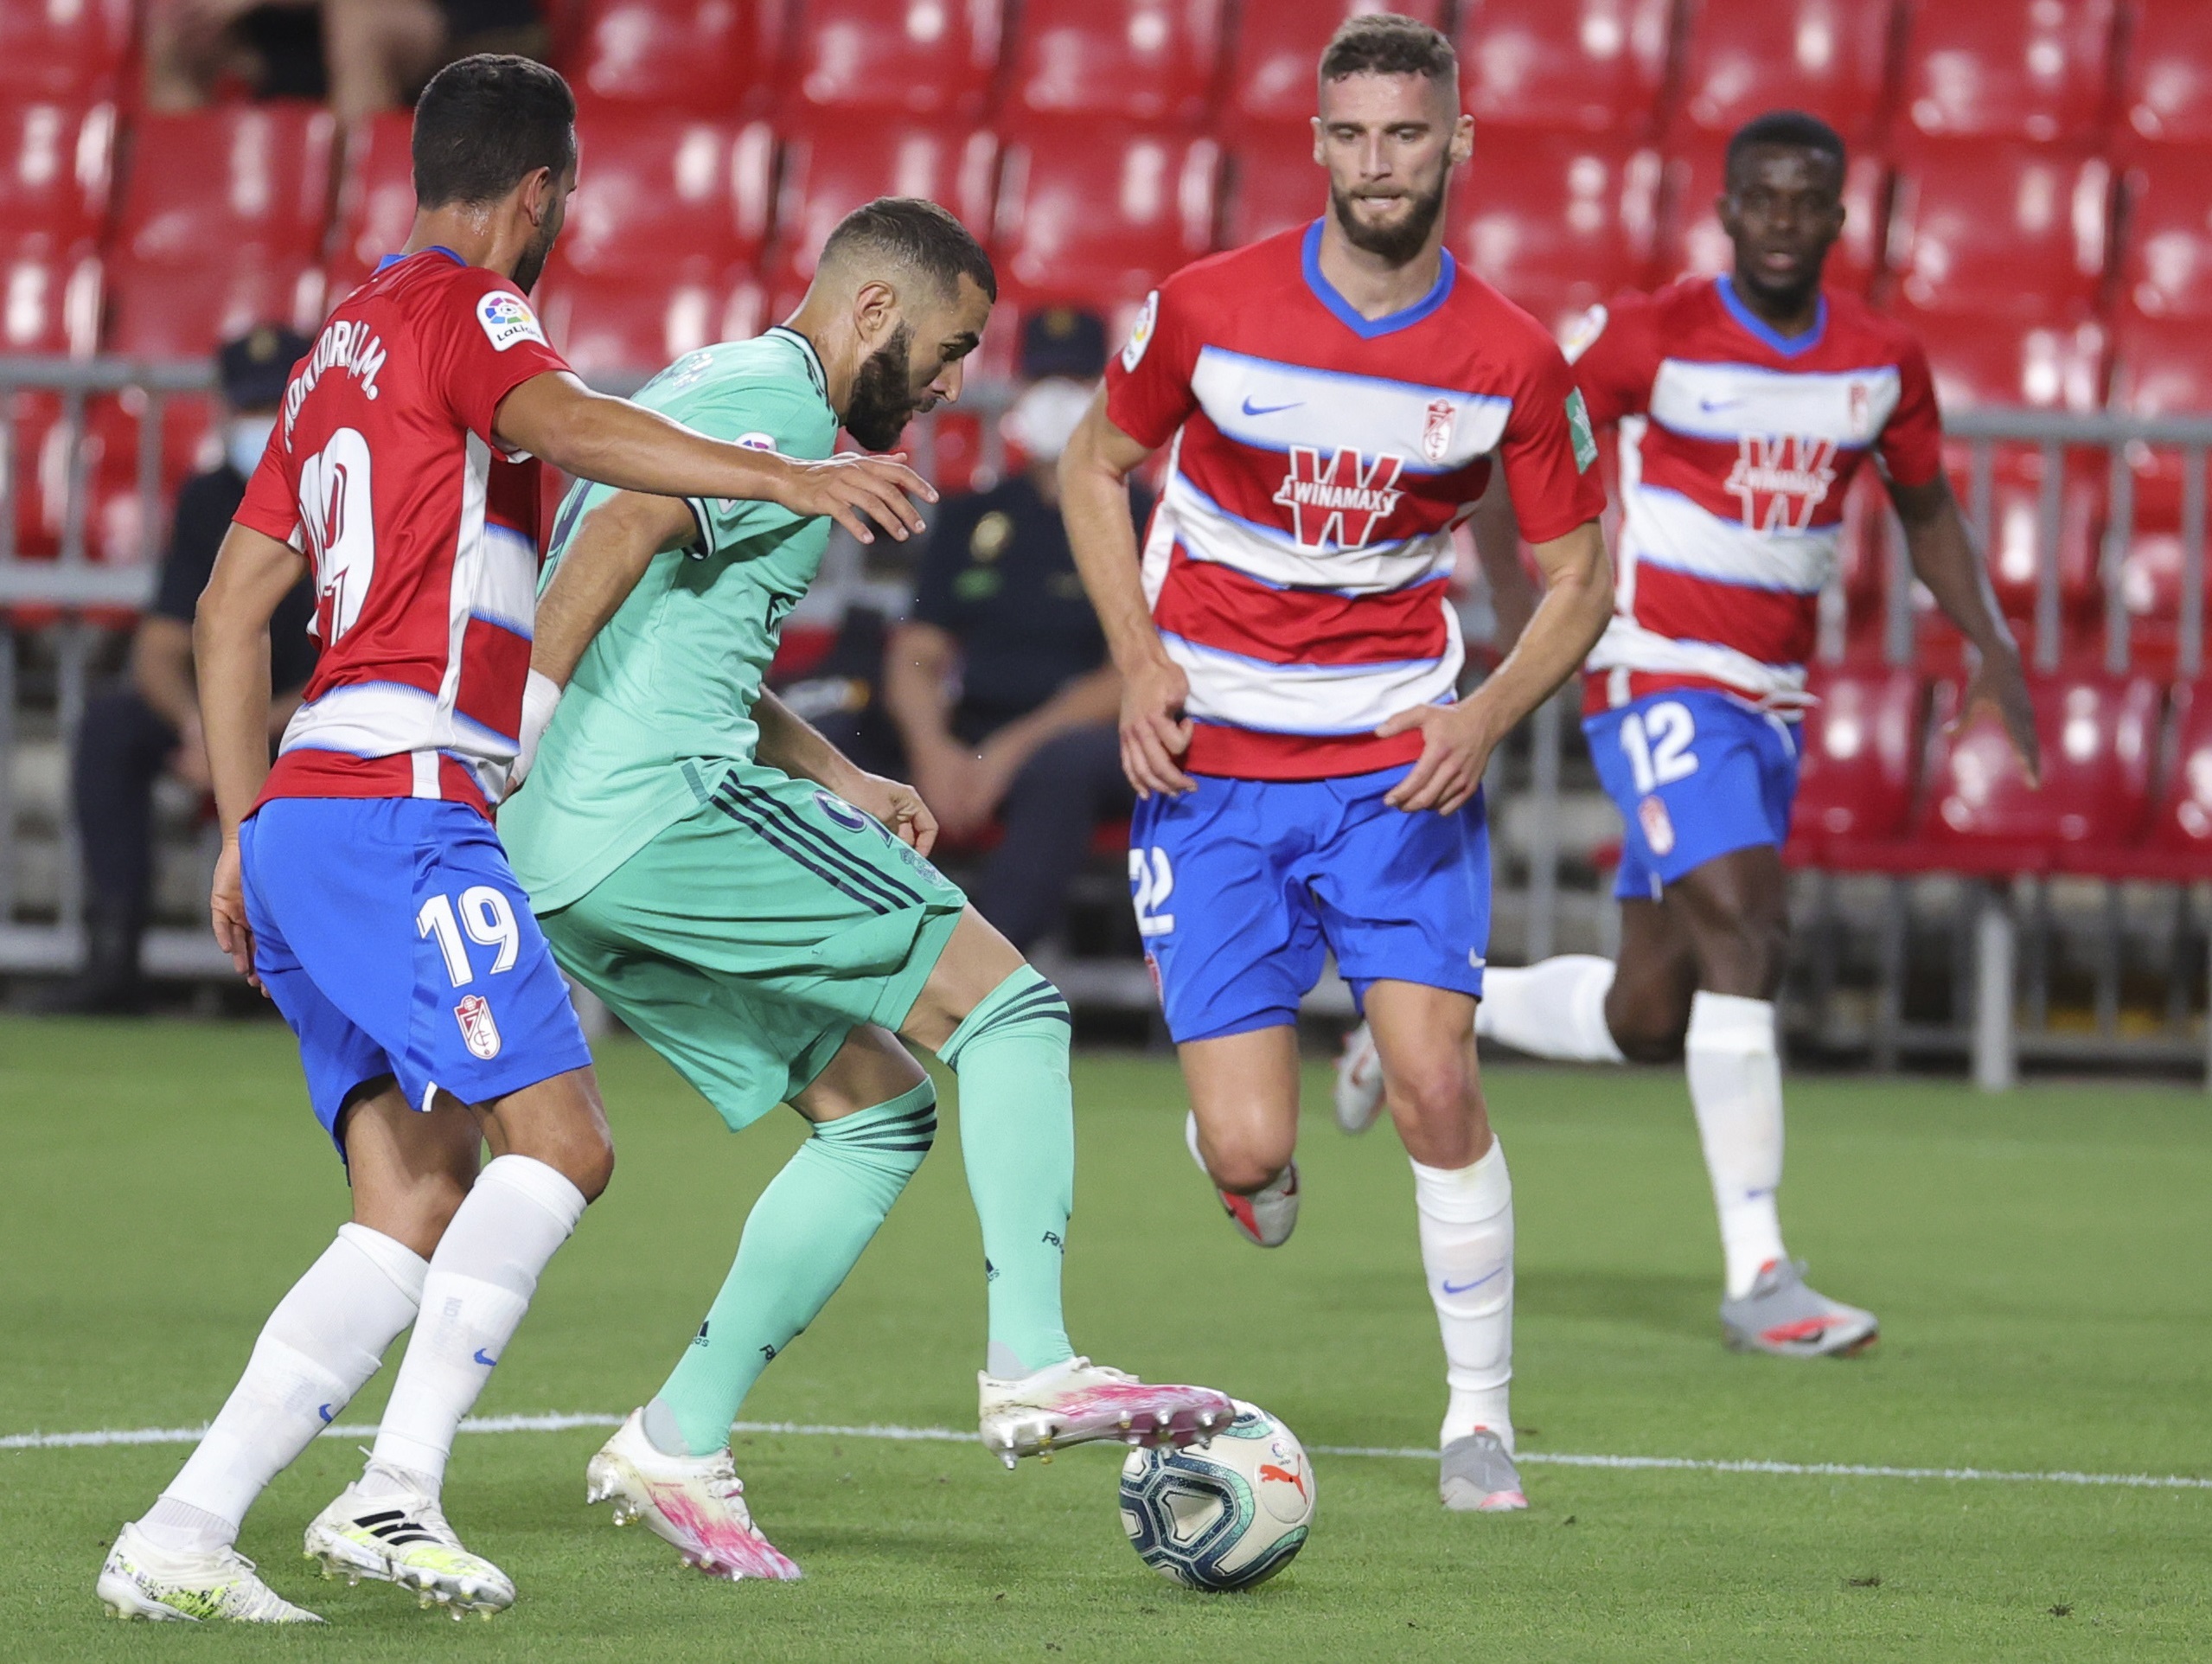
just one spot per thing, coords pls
(1467, 1248)
(486, 1268)
(1555, 1009)
(327, 1336)
(1735, 1086)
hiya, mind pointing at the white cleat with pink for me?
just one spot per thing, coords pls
(695, 1504)
(1077, 1401)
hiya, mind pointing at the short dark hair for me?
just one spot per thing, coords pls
(1385, 43)
(917, 233)
(1792, 128)
(486, 123)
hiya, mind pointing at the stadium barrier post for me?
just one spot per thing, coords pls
(1997, 1067)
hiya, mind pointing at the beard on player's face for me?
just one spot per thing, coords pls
(1398, 240)
(532, 265)
(883, 399)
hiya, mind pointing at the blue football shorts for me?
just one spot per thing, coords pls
(1243, 887)
(1696, 775)
(395, 940)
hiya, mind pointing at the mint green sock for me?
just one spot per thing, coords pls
(803, 1235)
(1017, 1139)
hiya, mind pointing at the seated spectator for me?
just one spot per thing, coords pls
(129, 738)
(999, 684)
(363, 55)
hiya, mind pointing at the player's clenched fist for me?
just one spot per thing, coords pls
(1154, 731)
(853, 489)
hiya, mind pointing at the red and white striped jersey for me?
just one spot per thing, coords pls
(383, 472)
(1737, 446)
(1298, 561)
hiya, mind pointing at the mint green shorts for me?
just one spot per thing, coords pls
(747, 940)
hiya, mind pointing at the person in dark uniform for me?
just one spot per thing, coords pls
(999, 683)
(130, 737)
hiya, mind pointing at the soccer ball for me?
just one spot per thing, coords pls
(1228, 1515)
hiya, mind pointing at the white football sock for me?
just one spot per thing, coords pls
(1467, 1248)
(325, 1339)
(1554, 1009)
(486, 1268)
(1735, 1086)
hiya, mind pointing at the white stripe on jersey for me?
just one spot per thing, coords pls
(1668, 529)
(1627, 645)
(1228, 688)
(1273, 557)
(1272, 405)
(1732, 401)
(360, 718)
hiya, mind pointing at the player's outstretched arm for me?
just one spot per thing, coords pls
(1094, 471)
(1457, 739)
(788, 742)
(1943, 557)
(556, 417)
(230, 644)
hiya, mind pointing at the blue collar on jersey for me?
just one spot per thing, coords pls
(1789, 346)
(435, 248)
(1367, 329)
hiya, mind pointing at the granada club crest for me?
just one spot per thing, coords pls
(1436, 430)
(478, 1032)
(1341, 501)
(1659, 826)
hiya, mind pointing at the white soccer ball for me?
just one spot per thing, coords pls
(1228, 1515)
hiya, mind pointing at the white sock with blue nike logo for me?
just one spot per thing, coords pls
(486, 1268)
(1467, 1248)
(325, 1339)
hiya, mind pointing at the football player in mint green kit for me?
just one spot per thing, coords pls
(762, 911)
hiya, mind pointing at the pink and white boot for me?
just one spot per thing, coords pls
(1076, 1401)
(696, 1504)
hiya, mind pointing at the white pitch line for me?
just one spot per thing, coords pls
(561, 1424)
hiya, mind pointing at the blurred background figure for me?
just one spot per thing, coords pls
(129, 738)
(361, 55)
(998, 684)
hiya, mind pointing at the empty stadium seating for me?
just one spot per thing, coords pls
(666, 191)
(2166, 267)
(1279, 43)
(2181, 822)
(1274, 181)
(73, 50)
(57, 161)
(714, 57)
(2034, 69)
(1741, 57)
(1593, 66)
(2166, 95)
(1858, 753)
(1557, 220)
(922, 57)
(831, 166)
(630, 323)
(1099, 214)
(376, 200)
(1142, 60)
(2000, 227)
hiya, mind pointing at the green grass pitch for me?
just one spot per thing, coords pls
(2039, 1263)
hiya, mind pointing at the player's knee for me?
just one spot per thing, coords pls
(1646, 1031)
(1243, 1159)
(1748, 956)
(1431, 1091)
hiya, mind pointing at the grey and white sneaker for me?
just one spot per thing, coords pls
(1358, 1099)
(1785, 1315)
(401, 1537)
(140, 1580)
(1477, 1477)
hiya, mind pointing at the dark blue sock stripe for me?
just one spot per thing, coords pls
(816, 838)
(775, 843)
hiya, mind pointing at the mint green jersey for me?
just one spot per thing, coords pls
(664, 694)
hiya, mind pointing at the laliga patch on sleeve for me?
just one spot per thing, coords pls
(1578, 429)
(1141, 332)
(507, 318)
(1587, 328)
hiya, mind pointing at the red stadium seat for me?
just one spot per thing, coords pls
(1978, 360)
(635, 323)
(2013, 547)
(833, 166)
(165, 311)
(63, 49)
(1557, 220)
(105, 446)
(1274, 181)
(2181, 824)
(2166, 266)
(1145, 59)
(1087, 212)
(376, 199)
(2036, 69)
(57, 161)
(1743, 57)
(1857, 751)
(2099, 737)
(1690, 237)
(1592, 65)
(2000, 227)
(664, 193)
(50, 304)
(925, 57)
(2162, 367)
(1278, 53)
(710, 57)
(2166, 97)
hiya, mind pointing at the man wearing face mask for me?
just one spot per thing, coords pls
(1000, 684)
(130, 737)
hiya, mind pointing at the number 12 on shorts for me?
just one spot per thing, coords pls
(1656, 742)
(483, 912)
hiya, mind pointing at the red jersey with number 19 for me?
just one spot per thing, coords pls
(422, 534)
(1297, 563)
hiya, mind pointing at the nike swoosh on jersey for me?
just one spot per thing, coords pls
(1251, 409)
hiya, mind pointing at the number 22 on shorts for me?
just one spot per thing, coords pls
(1656, 742)
(1152, 880)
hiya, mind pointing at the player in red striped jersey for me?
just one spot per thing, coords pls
(1745, 403)
(1308, 781)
